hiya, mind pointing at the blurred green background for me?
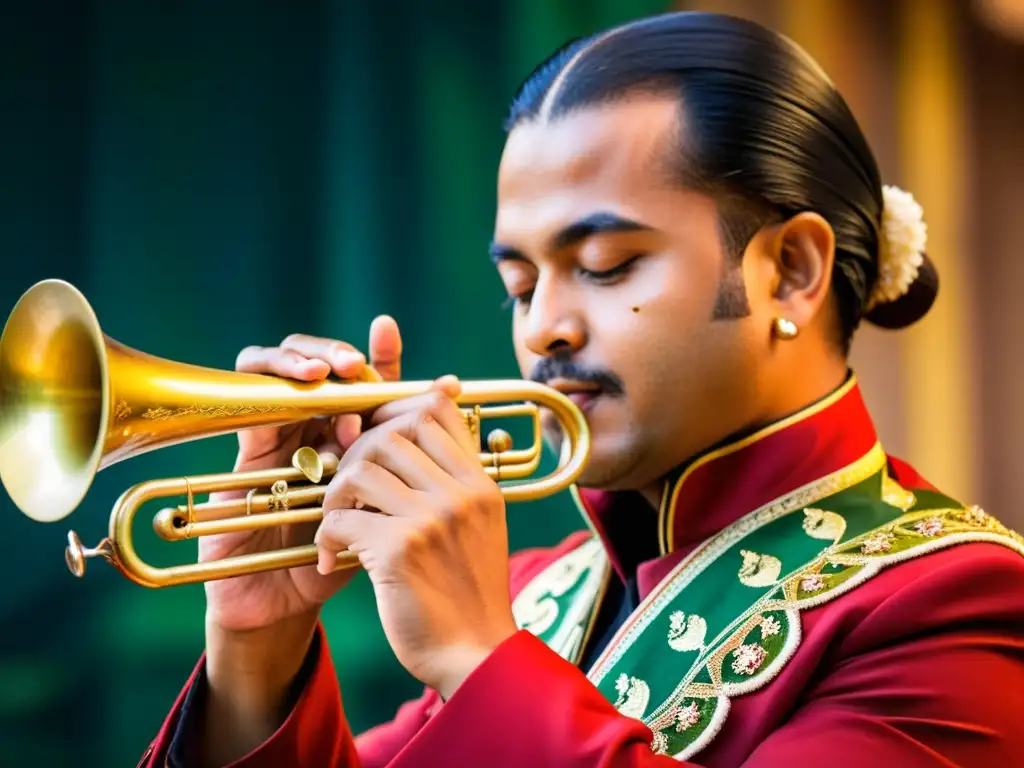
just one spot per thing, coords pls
(213, 175)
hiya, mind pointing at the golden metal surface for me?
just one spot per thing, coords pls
(74, 401)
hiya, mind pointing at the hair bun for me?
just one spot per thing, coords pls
(913, 304)
(907, 283)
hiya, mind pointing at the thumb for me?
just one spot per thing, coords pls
(386, 348)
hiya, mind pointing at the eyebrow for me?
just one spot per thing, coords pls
(598, 223)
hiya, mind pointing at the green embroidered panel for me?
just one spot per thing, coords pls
(736, 601)
(558, 604)
(726, 619)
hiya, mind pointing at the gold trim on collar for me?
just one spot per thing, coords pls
(666, 515)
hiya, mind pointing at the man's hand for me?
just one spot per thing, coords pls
(261, 600)
(259, 627)
(412, 500)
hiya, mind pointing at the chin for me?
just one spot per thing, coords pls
(612, 466)
(613, 455)
(605, 479)
(596, 480)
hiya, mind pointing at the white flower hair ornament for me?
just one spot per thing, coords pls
(904, 236)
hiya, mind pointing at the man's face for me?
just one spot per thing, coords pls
(616, 272)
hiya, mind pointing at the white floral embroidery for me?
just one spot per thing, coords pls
(822, 524)
(748, 658)
(931, 526)
(759, 570)
(634, 695)
(770, 626)
(660, 744)
(877, 542)
(622, 684)
(814, 583)
(687, 717)
(686, 633)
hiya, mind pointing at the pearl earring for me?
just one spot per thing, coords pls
(785, 329)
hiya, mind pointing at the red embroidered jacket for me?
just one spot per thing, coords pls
(921, 666)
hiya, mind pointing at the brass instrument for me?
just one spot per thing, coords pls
(74, 401)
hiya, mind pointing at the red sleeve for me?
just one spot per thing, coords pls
(314, 734)
(526, 705)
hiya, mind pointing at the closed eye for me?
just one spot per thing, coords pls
(609, 275)
(601, 277)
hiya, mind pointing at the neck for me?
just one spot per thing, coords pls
(789, 397)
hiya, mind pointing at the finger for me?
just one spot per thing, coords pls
(347, 428)
(396, 408)
(363, 484)
(278, 362)
(330, 448)
(409, 463)
(344, 359)
(450, 416)
(424, 431)
(344, 529)
(386, 348)
(439, 403)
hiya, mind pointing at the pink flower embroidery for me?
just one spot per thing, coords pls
(770, 626)
(877, 542)
(813, 583)
(931, 526)
(747, 658)
(687, 717)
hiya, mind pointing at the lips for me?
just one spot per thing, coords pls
(582, 394)
(584, 400)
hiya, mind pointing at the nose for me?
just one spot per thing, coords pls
(553, 324)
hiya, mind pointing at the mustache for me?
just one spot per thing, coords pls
(561, 367)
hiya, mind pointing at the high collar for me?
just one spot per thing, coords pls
(721, 485)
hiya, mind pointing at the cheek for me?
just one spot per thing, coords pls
(661, 340)
(654, 313)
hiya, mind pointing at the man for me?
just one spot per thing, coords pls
(690, 227)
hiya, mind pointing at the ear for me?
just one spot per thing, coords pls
(803, 249)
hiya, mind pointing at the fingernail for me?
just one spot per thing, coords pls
(348, 359)
(449, 383)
